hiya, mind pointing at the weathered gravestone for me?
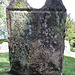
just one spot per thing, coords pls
(36, 37)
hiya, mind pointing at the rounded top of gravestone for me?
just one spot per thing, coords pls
(36, 5)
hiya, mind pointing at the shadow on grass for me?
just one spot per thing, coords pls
(4, 55)
(4, 68)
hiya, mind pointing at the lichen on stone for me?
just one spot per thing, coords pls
(20, 4)
(57, 18)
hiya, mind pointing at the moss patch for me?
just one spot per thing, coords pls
(19, 5)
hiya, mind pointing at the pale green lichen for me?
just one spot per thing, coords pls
(17, 52)
(57, 18)
(20, 5)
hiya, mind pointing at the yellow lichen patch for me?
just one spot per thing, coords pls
(20, 5)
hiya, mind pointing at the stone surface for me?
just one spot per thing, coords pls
(36, 38)
(4, 47)
(69, 53)
(67, 46)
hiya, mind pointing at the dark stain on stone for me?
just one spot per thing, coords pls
(50, 64)
(17, 65)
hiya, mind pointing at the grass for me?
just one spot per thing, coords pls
(4, 63)
(68, 68)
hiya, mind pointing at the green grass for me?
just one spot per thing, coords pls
(4, 63)
(68, 68)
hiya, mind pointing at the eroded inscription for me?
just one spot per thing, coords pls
(20, 22)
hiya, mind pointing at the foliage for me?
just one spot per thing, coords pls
(3, 40)
(3, 23)
(72, 43)
(69, 28)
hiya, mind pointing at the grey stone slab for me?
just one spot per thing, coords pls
(36, 37)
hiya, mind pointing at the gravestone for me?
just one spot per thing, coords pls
(67, 46)
(36, 37)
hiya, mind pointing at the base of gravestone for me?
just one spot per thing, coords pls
(15, 73)
(21, 73)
